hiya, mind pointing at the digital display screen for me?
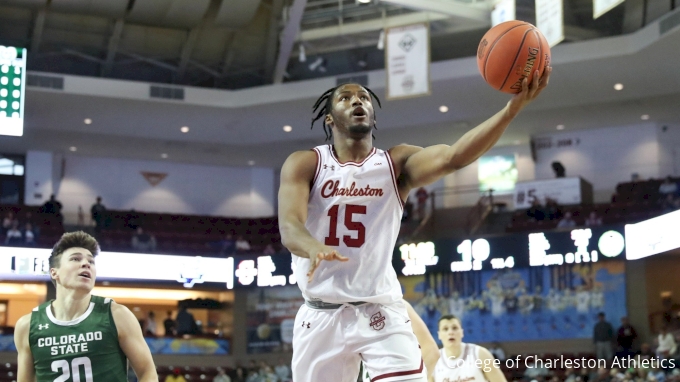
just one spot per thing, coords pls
(12, 85)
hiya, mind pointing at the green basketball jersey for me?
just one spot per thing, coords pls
(82, 350)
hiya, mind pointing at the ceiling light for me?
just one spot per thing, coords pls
(363, 1)
(618, 86)
(644, 117)
(184, 129)
(164, 155)
(560, 127)
(443, 108)
(288, 128)
(73, 148)
(87, 121)
(251, 162)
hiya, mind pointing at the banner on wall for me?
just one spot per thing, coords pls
(270, 319)
(407, 60)
(565, 191)
(550, 303)
(197, 346)
(202, 346)
(550, 20)
(600, 7)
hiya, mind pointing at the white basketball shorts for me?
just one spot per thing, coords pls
(328, 345)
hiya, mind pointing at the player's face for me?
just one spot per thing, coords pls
(352, 111)
(77, 269)
(450, 332)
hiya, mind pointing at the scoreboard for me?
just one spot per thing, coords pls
(12, 85)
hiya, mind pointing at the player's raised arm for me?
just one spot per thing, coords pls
(428, 347)
(132, 343)
(297, 174)
(424, 166)
(25, 368)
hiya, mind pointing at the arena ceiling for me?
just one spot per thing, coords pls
(173, 41)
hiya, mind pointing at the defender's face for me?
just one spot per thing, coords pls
(450, 332)
(352, 111)
(76, 270)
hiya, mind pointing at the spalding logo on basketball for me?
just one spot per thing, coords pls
(509, 53)
(377, 321)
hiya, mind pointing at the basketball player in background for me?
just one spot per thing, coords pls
(79, 336)
(459, 361)
(340, 208)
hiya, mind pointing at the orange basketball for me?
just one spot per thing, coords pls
(510, 52)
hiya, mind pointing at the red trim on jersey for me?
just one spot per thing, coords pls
(400, 373)
(318, 166)
(394, 179)
(357, 164)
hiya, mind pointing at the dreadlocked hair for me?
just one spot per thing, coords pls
(327, 100)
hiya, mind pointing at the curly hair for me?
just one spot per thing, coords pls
(327, 100)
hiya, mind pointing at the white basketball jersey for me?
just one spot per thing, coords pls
(356, 208)
(461, 369)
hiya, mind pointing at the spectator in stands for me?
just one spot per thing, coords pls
(421, 197)
(567, 221)
(186, 324)
(625, 337)
(283, 371)
(29, 236)
(239, 375)
(176, 376)
(593, 220)
(143, 242)
(97, 213)
(552, 209)
(14, 237)
(132, 219)
(603, 334)
(645, 351)
(221, 376)
(8, 221)
(668, 187)
(407, 215)
(536, 210)
(242, 245)
(667, 346)
(81, 217)
(268, 250)
(169, 325)
(602, 375)
(253, 376)
(535, 372)
(497, 352)
(669, 204)
(228, 245)
(150, 325)
(52, 206)
(569, 375)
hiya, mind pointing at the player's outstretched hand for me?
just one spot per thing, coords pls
(529, 91)
(328, 255)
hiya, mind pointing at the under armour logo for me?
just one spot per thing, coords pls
(306, 324)
(41, 326)
(326, 167)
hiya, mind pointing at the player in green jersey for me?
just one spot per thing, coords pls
(79, 337)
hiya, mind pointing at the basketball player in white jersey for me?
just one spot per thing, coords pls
(460, 361)
(340, 207)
